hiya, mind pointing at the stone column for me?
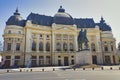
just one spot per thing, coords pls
(61, 42)
(69, 59)
(75, 43)
(111, 58)
(12, 60)
(53, 42)
(44, 43)
(27, 42)
(109, 47)
(13, 45)
(68, 44)
(98, 44)
(37, 43)
(44, 60)
(37, 60)
(5, 45)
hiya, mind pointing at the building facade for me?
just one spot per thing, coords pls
(42, 40)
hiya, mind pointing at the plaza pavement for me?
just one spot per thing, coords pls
(41, 69)
(69, 74)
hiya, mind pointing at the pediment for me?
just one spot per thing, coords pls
(66, 29)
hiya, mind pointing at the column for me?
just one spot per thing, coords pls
(37, 43)
(44, 60)
(44, 43)
(12, 60)
(53, 42)
(68, 44)
(69, 59)
(61, 42)
(5, 45)
(75, 43)
(109, 47)
(37, 60)
(98, 43)
(13, 45)
(111, 58)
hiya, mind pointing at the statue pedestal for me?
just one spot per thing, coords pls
(84, 57)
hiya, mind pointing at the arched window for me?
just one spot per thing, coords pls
(111, 47)
(71, 47)
(47, 46)
(64, 46)
(40, 46)
(106, 48)
(17, 46)
(58, 47)
(9, 32)
(34, 46)
(93, 47)
(9, 46)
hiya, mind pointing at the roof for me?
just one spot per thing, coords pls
(85, 23)
(16, 19)
(61, 17)
(40, 19)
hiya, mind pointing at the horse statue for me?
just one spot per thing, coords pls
(82, 39)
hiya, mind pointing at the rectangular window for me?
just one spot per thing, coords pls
(17, 57)
(8, 57)
(40, 36)
(18, 47)
(9, 47)
(47, 37)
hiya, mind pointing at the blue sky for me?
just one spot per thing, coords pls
(109, 9)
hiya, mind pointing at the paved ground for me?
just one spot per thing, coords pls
(63, 75)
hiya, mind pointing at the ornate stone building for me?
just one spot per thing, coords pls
(42, 40)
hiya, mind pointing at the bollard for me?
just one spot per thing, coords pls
(42, 69)
(83, 68)
(53, 69)
(7, 70)
(31, 70)
(20, 70)
(93, 68)
(101, 68)
(26, 70)
(110, 68)
(74, 69)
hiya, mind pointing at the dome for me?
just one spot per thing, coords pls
(61, 17)
(16, 19)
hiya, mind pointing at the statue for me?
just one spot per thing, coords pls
(82, 39)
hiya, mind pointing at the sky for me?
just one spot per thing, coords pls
(109, 9)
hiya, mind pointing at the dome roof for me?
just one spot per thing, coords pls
(61, 17)
(16, 19)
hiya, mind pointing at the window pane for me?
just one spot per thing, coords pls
(17, 46)
(58, 47)
(33, 46)
(9, 47)
(40, 46)
(47, 46)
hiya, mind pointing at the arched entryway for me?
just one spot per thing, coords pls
(66, 61)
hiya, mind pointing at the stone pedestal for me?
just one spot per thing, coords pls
(84, 57)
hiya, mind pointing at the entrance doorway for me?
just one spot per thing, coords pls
(59, 63)
(94, 59)
(114, 62)
(107, 60)
(7, 64)
(66, 62)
